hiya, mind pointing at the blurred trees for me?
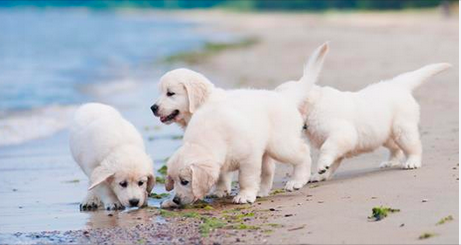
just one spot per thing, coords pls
(291, 5)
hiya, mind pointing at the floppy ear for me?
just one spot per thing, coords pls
(204, 176)
(99, 175)
(198, 90)
(150, 183)
(169, 183)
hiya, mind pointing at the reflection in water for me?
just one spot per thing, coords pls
(126, 218)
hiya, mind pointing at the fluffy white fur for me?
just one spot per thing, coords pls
(111, 153)
(345, 124)
(190, 90)
(238, 130)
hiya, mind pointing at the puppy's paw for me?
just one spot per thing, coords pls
(323, 169)
(386, 164)
(90, 206)
(90, 203)
(243, 198)
(412, 164)
(113, 206)
(317, 178)
(263, 192)
(292, 185)
(220, 193)
(169, 204)
(390, 163)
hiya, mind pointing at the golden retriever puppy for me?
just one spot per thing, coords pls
(237, 132)
(183, 92)
(111, 152)
(346, 124)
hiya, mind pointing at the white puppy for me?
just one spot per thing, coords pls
(238, 131)
(182, 92)
(111, 153)
(345, 124)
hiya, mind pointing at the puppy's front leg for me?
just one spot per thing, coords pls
(108, 198)
(223, 188)
(91, 202)
(249, 180)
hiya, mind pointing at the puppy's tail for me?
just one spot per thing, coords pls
(314, 66)
(299, 90)
(414, 79)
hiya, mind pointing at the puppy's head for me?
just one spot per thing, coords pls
(182, 91)
(129, 174)
(192, 173)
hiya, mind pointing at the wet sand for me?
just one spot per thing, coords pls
(365, 48)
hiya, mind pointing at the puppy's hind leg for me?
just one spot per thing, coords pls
(408, 139)
(267, 176)
(396, 155)
(298, 154)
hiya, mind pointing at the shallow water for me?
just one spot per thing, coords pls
(40, 185)
(51, 58)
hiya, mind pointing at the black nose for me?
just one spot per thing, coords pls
(177, 200)
(134, 202)
(154, 109)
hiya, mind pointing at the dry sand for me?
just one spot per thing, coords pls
(365, 47)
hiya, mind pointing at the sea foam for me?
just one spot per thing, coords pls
(20, 127)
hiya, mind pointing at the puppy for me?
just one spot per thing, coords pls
(238, 132)
(182, 92)
(111, 152)
(346, 124)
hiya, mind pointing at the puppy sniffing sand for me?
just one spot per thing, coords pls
(240, 132)
(111, 153)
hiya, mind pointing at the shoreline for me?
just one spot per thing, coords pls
(335, 211)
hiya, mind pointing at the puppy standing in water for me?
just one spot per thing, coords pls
(235, 133)
(111, 153)
(345, 124)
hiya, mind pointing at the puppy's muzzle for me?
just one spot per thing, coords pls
(154, 109)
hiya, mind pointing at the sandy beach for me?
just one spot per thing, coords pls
(365, 48)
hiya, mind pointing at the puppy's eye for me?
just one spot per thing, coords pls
(169, 94)
(184, 182)
(123, 184)
(140, 183)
